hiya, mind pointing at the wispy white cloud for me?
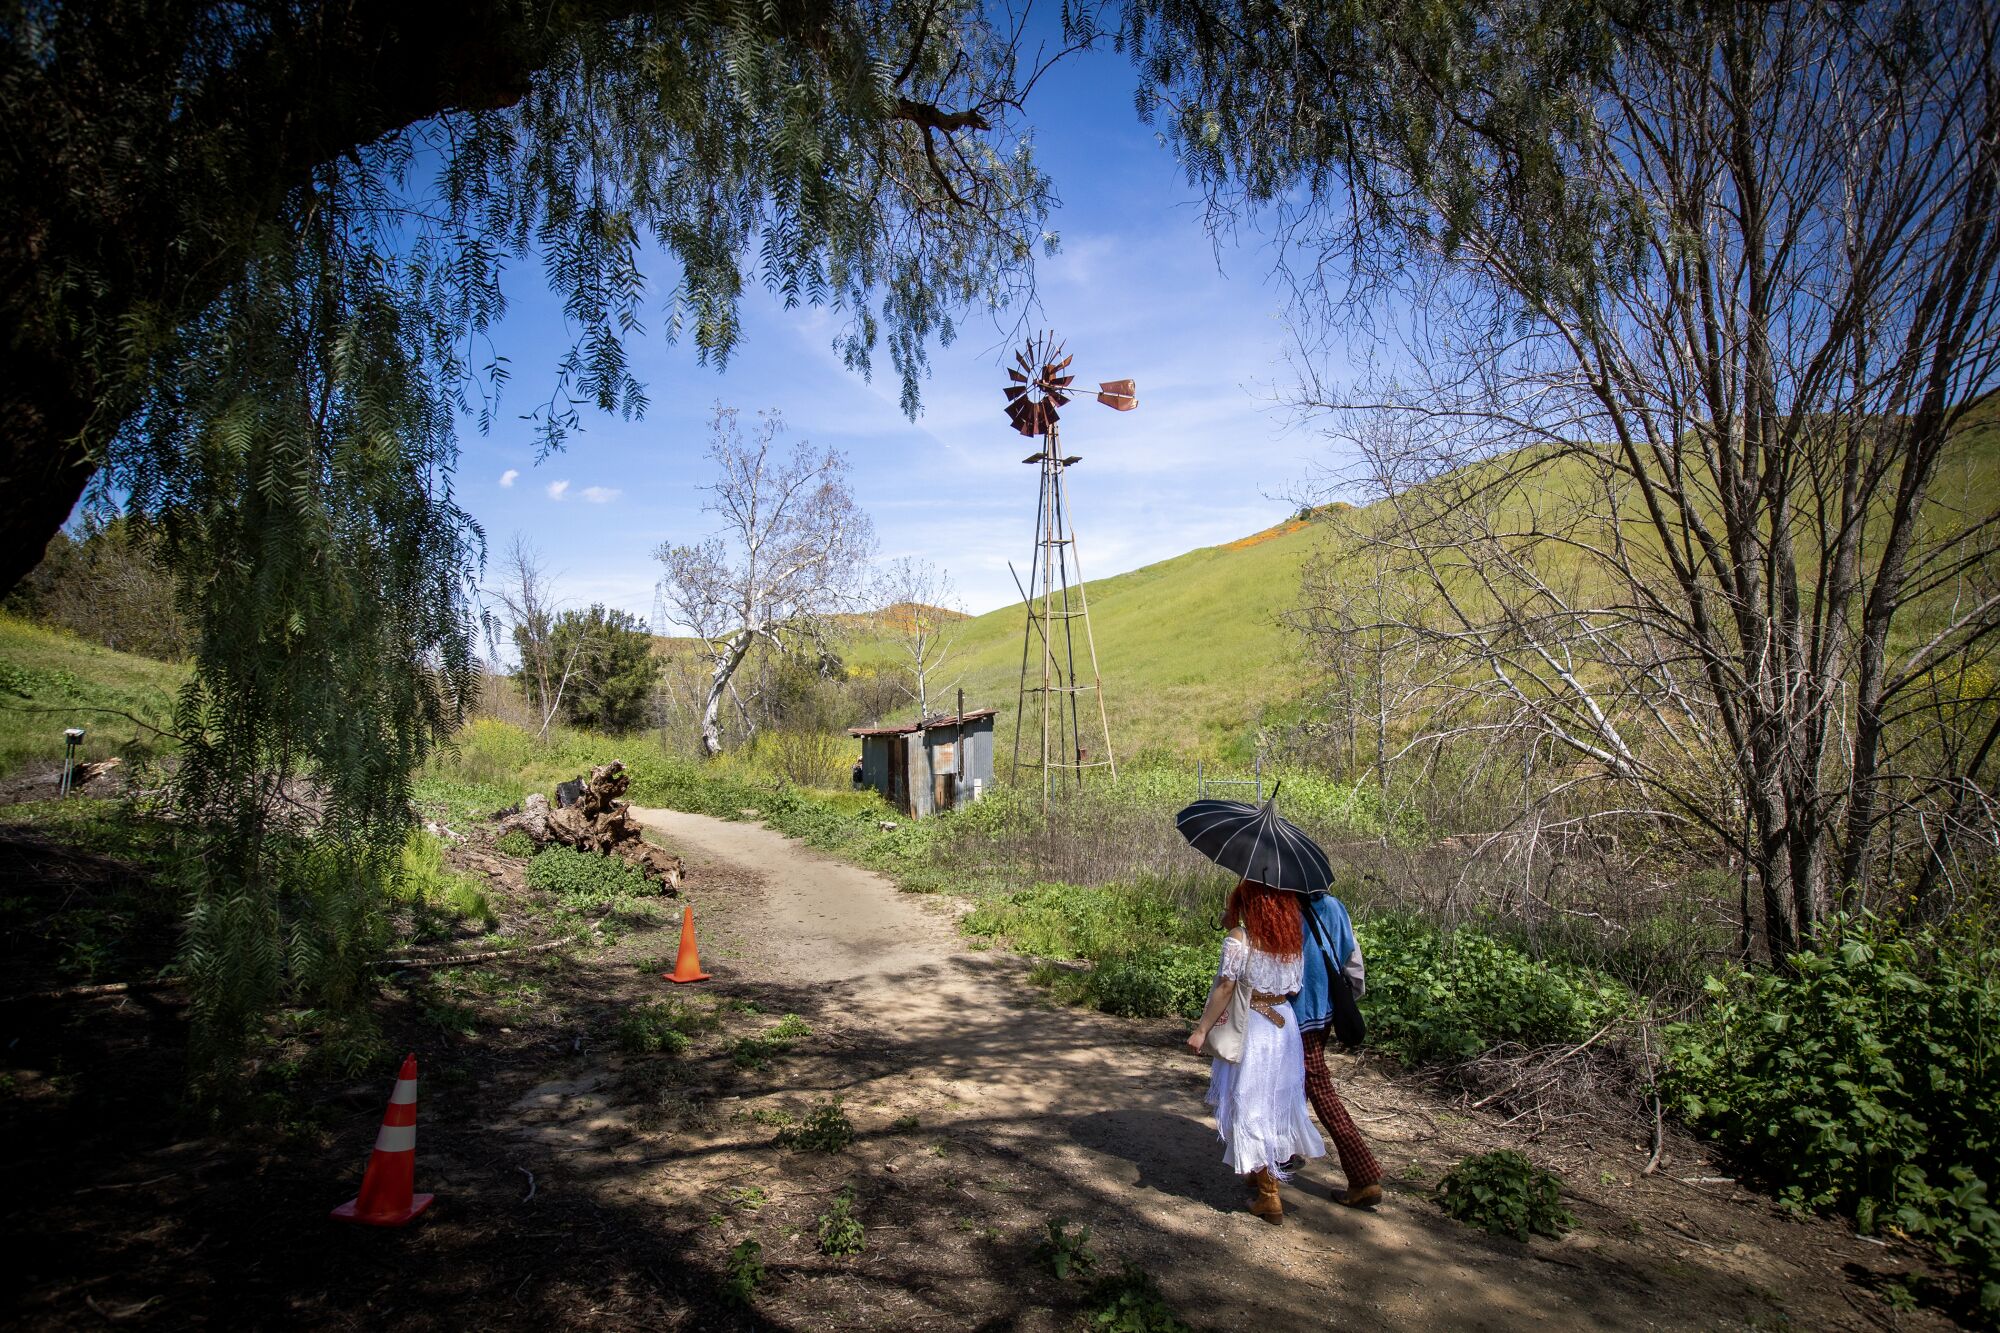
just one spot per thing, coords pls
(599, 495)
(507, 477)
(558, 489)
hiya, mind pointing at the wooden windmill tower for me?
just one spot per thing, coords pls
(1075, 734)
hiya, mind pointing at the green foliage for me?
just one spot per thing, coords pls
(1066, 1253)
(660, 1026)
(424, 881)
(515, 843)
(1506, 1194)
(1863, 1080)
(1131, 1302)
(106, 585)
(840, 1231)
(755, 1052)
(1436, 996)
(744, 1272)
(611, 665)
(50, 680)
(826, 1129)
(582, 880)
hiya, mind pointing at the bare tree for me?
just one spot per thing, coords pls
(527, 599)
(920, 608)
(1693, 450)
(791, 552)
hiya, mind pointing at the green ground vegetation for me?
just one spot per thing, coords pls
(51, 680)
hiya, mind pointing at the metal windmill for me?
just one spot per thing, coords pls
(1039, 388)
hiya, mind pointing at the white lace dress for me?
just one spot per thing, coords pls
(1260, 1101)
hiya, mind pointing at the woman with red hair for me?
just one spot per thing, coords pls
(1257, 1087)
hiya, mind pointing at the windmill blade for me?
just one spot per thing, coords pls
(1018, 376)
(1059, 397)
(1062, 381)
(1064, 363)
(1014, 391)
(1120, 395)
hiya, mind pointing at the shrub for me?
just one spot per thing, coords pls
(826, 1129)
(584, 879)
(1864, 1081)
(1131, 1302)
(744, 1272)
(840, 1231)
(1436, 997)
(1506, 1194)
(424, 881)
(663, 1025)
(1066, 1252)
(756, 1051)
(1155, 983)
(516, 843)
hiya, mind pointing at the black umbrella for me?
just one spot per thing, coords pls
(1257, 843)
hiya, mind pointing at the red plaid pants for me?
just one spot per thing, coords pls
(1356, 1161)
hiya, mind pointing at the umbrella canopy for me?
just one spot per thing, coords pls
(1257, 843)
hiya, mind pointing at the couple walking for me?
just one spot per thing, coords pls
(1265, 1025)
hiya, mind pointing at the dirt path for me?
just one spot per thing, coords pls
(588, 1179)
(1027, 1112)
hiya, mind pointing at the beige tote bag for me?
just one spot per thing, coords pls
(1225, 1039)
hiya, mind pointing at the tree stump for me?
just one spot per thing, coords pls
(599, 821)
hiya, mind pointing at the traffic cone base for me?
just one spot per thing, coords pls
(687, 967)
(348, 1212)
(386, 1198)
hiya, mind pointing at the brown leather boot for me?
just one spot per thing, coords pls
(1264, 1201)
(1365, 1197)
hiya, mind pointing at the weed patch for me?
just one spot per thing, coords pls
(826, 1129)
(744, 1273)
(1131, 1302)
(1066, 1253)
(581, 881)
(1505, 1193)
(840, 1231)
(757, 1051)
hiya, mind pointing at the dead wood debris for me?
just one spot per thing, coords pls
(599, 820)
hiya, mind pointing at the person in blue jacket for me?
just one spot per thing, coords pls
(1329, 932)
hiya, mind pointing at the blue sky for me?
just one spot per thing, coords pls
(1137, 291)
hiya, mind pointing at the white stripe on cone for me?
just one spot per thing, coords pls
(405, 1093)
(396, 1138)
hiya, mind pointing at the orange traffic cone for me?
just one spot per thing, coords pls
(385, 1199)
(687, 967)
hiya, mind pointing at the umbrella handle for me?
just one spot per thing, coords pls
(1276, 787)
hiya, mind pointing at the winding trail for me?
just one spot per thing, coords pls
(1064, 1112)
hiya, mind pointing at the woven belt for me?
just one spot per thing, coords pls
(1262, 1001)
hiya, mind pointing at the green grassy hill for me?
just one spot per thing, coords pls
(50, 680)
(1192, 649)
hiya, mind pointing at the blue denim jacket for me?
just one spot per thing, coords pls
(1312, 1004)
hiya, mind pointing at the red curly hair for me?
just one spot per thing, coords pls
(1271, 916)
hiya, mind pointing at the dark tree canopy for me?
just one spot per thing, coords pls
(249, 256)
(608, 666)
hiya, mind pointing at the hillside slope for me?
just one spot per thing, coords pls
(50, 681)
(1192, 649)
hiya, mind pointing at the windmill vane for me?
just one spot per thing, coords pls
(1039, 387)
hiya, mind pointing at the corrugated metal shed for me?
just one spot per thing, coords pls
(935, 764)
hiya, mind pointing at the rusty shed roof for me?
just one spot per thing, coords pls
(928, 724)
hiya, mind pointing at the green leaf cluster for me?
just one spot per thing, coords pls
(1066, 1253)
(1438, 996)
(1506, 1194)
(1130, 1301)
(840, 1231)
(582, 880)
(1865, 1079)
(826, 1129)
